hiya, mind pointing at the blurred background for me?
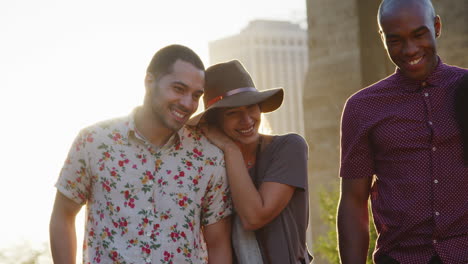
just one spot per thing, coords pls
(67, 64)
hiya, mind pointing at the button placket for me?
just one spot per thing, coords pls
(429, 121)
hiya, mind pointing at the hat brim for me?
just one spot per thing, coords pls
(269, 100)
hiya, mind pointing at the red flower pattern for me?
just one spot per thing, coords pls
(143, 202)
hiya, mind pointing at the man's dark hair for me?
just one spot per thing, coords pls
(164, 59)
(461, 111)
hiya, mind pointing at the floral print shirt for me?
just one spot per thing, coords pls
(145, 204)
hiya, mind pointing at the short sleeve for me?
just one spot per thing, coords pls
(356, 152)
(74, 180)
(217, 202)
(288, 163)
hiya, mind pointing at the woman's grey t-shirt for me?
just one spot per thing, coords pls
(284, 160)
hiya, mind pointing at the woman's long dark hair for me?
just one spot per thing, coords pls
(461, 112)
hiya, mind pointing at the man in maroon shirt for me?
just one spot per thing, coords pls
(401, 146)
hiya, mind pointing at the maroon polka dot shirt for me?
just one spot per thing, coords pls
(404, 132)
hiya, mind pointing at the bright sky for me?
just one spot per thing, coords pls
(66, 64)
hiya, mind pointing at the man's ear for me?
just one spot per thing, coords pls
(149, 79)
(437, 26)
(382, 37)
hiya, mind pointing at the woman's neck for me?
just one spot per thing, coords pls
(249, 151)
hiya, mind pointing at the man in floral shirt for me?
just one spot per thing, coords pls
(155, 190)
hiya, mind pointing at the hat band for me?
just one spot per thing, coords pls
(232, 92)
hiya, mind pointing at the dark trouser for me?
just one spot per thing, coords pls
(388, 260)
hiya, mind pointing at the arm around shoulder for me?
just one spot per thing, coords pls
(62, 229)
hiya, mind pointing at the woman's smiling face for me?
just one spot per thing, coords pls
(241, 123)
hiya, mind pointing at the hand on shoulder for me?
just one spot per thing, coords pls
(216, 136)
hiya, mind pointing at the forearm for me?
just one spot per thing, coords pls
(220, 253)
(63, 240)
(218, 241)
(256, 207)
(62, 230)
(248, 202)
(353, 234)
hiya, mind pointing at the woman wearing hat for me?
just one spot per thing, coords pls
(267, 173)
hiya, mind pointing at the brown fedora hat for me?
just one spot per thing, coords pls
(228, 84)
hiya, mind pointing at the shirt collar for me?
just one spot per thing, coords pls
(132, 132)
(435, 78)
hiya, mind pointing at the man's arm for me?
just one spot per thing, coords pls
(218, 241)
(353, 220)
(62, 230)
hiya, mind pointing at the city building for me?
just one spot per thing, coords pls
(275, 54)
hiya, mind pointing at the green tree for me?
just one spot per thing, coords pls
(326, 245)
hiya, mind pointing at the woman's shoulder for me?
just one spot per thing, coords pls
(290, 142)
(290, 138)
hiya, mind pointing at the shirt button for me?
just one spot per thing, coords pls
(434, 241)
(434, 148)
(436, 181)
(148, 234)
(148, 260)
(430, 123)
(426, 94)
(437, 213)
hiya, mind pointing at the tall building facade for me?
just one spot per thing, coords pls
(275, 54)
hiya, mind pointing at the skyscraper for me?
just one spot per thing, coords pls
(275, 54)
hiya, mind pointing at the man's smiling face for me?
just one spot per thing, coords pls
(409, 34)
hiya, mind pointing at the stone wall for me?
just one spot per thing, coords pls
(453, 43)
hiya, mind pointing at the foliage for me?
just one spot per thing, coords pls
(326, 245)
(25, 253)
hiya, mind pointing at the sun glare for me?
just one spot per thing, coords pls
(69, 64)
